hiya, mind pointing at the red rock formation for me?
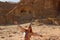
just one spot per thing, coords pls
(5, 7)
(39, 8)
(26, 9)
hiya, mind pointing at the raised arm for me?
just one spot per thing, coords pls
(20, 27)
(35, 34)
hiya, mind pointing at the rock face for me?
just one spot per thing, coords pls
(5, 7)
(40, 8)
(36, 9)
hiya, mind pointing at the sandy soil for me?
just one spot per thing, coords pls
(13, 32)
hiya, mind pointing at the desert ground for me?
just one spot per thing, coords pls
(13, 32)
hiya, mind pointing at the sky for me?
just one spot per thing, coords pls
(10, 0)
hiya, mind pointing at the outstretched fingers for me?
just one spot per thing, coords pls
(22, 29)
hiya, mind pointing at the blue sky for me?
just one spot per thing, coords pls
(10, 0)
